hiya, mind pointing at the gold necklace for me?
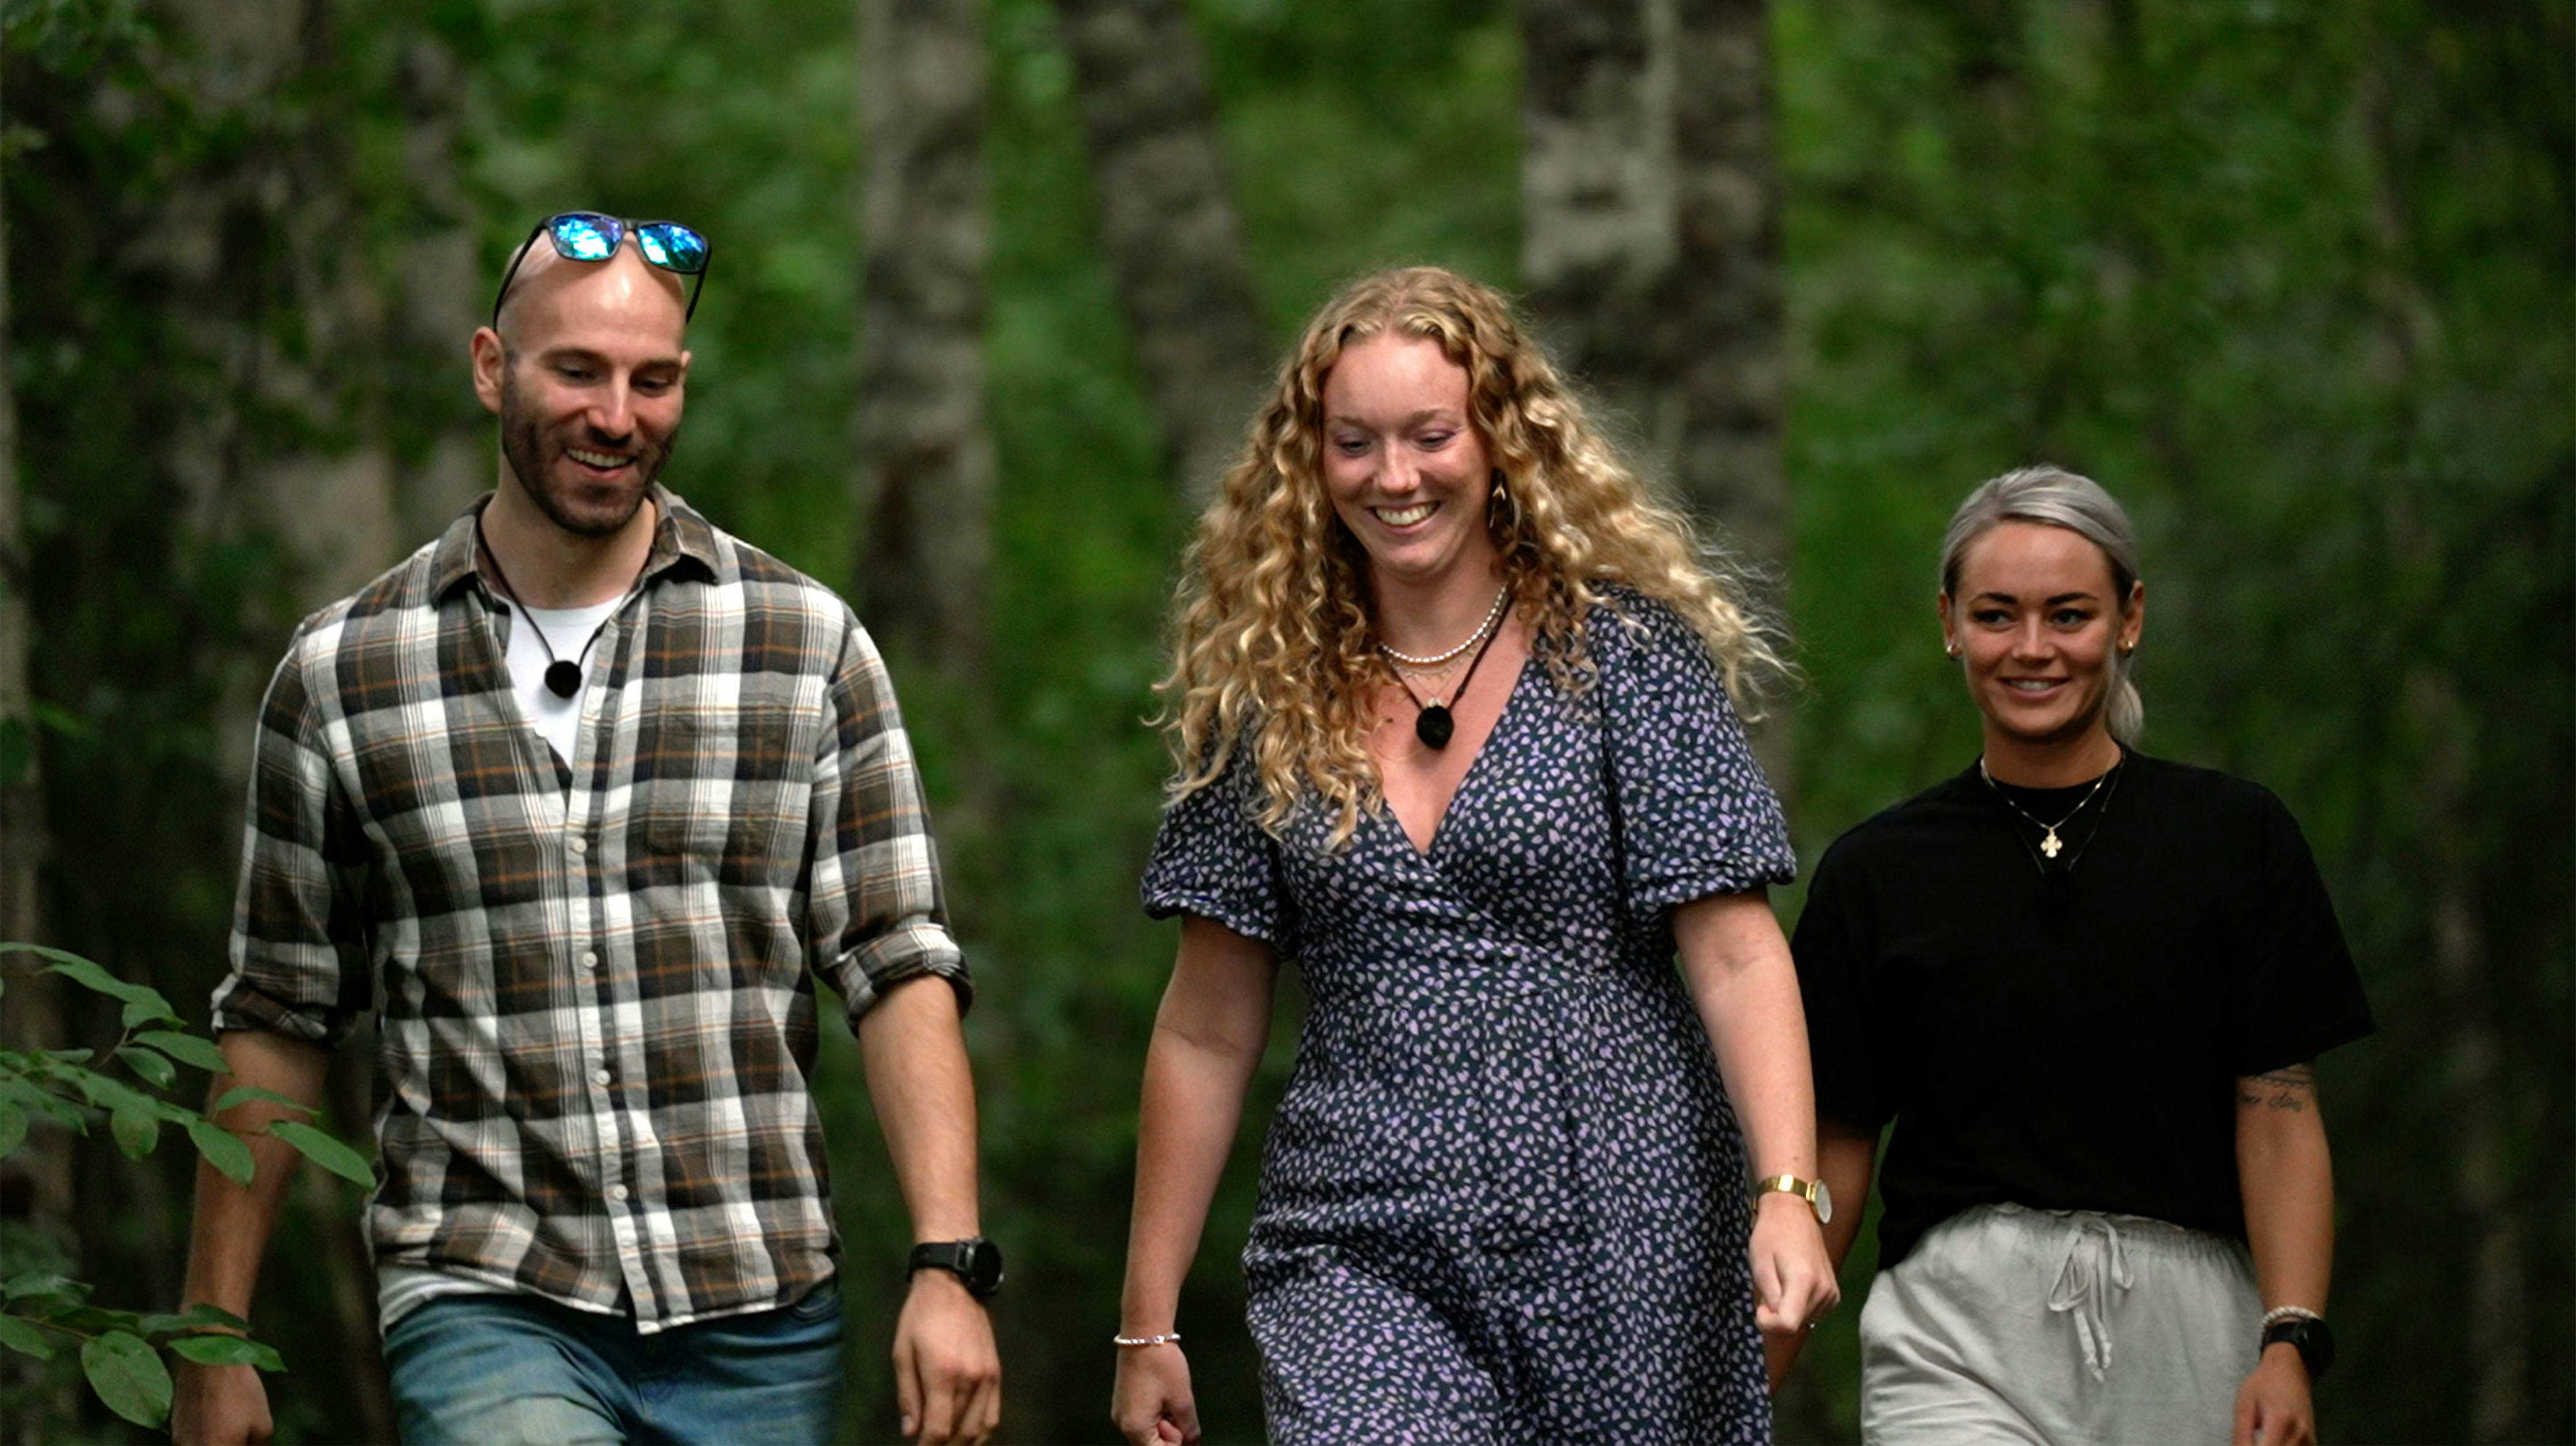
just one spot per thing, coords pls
(2052, 844)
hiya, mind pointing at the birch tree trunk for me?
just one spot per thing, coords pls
(1651, 250)
(272, 300)
(924, 485)
(925, 474)
(1169, 225)
(438, 296)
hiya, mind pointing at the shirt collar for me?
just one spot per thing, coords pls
(682, 541)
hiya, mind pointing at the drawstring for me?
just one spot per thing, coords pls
(2095, 1264)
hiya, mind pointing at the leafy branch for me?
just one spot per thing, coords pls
(121, 1351)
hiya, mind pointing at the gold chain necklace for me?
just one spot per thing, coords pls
(2051, 845)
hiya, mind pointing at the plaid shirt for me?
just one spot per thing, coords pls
(597, 1011)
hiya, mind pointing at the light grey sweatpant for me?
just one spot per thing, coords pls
(2059, 1327)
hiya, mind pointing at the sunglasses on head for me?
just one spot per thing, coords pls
(590, 236)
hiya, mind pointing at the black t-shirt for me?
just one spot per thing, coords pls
(2068, 1039)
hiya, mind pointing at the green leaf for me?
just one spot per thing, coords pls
(247, 1093)
(13, 1128)
(140, 999)
(223, 1149)
(42, 1285)
(198, 1317)
(128, 1376)
(136, 1132)
(152, 1065)
(155, 1010)
(219, 1350)
(324, 1151)
(107, 1094)
(25, 1339)
(187, 1049)
(194, 1318)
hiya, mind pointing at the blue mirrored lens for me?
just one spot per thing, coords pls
(581, 236)
(668, 243)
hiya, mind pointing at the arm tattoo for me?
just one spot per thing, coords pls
(2290, 1088)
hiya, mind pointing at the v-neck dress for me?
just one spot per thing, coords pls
(1503, 1199)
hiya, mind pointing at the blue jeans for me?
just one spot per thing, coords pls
(486, 1370)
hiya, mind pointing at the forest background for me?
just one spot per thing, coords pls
(994, 284)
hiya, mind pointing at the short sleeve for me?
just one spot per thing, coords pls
(1835, 946)
(2299, 993)
(1695, 816)
(1212, 858)
(300, 943)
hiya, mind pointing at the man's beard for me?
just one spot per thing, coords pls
(523, 446)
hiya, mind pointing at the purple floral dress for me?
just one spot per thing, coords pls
(1504, 1196)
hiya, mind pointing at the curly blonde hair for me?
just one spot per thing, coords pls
(1273, 647)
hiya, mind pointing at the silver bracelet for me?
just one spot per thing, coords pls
(1173, 1338)
(2280, 1313)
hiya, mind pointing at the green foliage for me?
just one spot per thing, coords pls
(120, 1350)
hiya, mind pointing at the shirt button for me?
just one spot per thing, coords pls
(616, 1192)
(589, 958)
(599, 1076)
(579, 847)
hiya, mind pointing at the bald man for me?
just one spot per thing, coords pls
(580, 798)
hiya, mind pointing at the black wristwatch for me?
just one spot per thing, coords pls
(2308, 1336)
(976, 1261)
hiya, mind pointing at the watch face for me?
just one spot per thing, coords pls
(983, 1267)
(1824, 1204)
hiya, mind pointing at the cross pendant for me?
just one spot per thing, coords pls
(2050, 845)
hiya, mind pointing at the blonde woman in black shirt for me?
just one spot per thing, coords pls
(2088, 987)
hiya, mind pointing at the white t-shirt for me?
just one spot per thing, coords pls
(567, 630)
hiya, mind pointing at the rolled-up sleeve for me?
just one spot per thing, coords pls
(875, 911)
(299, 942)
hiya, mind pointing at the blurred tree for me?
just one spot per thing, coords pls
(36, 1181)
(925, 473)
(1651, 247)
(1168, 226)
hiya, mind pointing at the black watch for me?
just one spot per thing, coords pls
(976, 1261)
(2310, 1338)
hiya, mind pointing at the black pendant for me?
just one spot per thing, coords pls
(564, 679)
(1433, 726)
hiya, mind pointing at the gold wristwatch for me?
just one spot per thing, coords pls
(1818, 1198)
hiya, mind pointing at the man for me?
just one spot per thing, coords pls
(594, 790)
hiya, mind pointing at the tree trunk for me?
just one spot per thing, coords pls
(924, 485)
(2495, 1306)
(274, 303)
(36, 1179)
(1651, 250)
(443, 438)
(925, 482)
(1169, 226)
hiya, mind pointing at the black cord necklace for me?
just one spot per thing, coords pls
(1432, 722)
(563, 676)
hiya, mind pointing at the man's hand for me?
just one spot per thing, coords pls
(947, 1376)
(1793, 1277)
(219, 1406)
(2272, 1407)
(1152, 1403)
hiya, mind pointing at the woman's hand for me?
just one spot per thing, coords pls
(1152, 1403)
(2272, 1407)
(1793, 1277)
